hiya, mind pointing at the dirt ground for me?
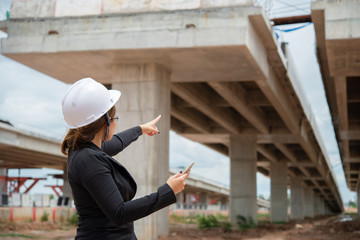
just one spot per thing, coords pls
(36, 230)
(343, 227)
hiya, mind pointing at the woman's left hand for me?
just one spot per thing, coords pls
(150, 128)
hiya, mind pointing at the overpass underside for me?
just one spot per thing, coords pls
(338, 50)
(218, 77)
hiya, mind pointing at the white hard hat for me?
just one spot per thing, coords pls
(86, 101)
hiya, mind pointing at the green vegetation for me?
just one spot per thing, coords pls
(74, 219)
(263, 215)
(45, 216)
(351, 204)
(220, 221)
(245, 223)
(203, 221)
(15, 235)
(214, 221)
(182, 219)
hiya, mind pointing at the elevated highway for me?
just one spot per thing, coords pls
(24, 149)
(208, 189)
(338, 50)
(216, 73)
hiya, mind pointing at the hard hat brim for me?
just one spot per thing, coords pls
(114, 95)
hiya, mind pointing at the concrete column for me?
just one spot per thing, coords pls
(279, 202)
(296, 198)
(224, 203)
(309, 202)
(327, 210)
(145, 94)
(358, 201)
(188, 198)
(243, 199)
(180, 200)
(3, 187)
(204, 200)
(322, 206)
(316, 200)
(67, 193)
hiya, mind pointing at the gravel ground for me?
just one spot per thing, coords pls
(340, 227)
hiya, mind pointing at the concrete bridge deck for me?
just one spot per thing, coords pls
(338, 50)
(215, 72)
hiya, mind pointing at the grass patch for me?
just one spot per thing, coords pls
(15, 235)
(74, 219)
(182, 219)
(263, 215)
(45, 217)
(203, 221)
(245, 223)
(214, 221)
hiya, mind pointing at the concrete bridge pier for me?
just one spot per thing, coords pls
(224, 203)
(316, 204)
(358, 201)
(243, 201)
(66, 191)
(145, 89)
(327, 210)
(188, 202)
(204, 200)
(309, 202)
(180, 200)
(321, 207)
(297, 198)
(278, 182)
(3, 186)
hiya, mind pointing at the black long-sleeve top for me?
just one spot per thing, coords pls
(103, 191)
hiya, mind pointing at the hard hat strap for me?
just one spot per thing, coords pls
(108, 122)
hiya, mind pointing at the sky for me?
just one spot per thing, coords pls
(31, 101)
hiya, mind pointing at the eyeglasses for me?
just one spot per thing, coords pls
(116, 118)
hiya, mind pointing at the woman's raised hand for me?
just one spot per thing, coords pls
(177, 182)
(150, 128)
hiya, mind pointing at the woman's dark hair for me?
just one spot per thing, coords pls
(78, 137)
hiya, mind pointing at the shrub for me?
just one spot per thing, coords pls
(244, 223)
(212, 221)
(209, 221)
(45, 216)
(74, 219)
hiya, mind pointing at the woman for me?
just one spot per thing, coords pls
(103, 190)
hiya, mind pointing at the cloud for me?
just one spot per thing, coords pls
(31, 100)
(209, 164)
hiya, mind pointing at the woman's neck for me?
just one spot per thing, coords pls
(98, 138)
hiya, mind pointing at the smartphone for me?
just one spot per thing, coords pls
(189, 168)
